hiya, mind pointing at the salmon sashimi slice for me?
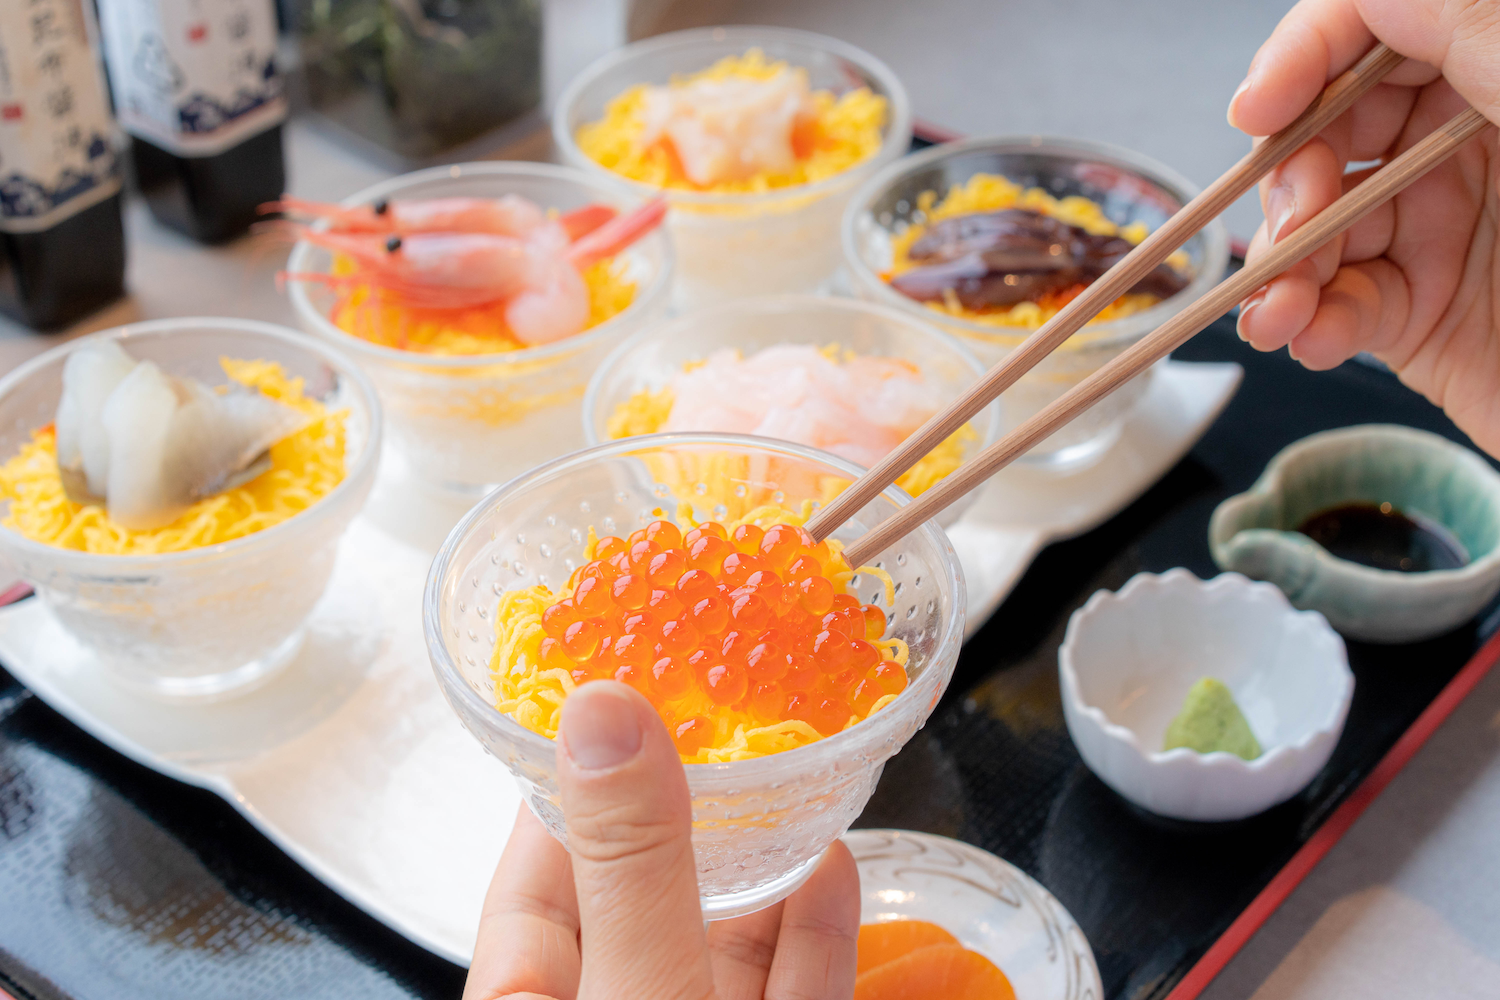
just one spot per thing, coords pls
(890, 939)
(936, 972)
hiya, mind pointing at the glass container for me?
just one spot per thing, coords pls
(1128, 186)
(735, 245)
(463, 423)
(422, 76)
(215, 620)
(759, 825)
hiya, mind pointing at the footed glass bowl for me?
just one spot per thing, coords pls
(465, 423)
(1129, 187)
(651, 358)
(760, 825)
(211, 621)
(734, 245)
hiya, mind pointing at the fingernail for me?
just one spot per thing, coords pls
(1281, 205)
(1246, 308)
(600, 728)
(1244, 86)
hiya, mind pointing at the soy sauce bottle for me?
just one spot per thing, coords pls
(196, 87)
(62, 245)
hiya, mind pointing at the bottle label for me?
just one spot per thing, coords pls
(57, 154)
(194, 77)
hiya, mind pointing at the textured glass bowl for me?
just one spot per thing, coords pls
(1130, 187)
(759, 825)
(210, 621)
(733, 245)
(651, 358)
(467, 423)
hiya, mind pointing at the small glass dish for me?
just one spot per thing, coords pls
(1128, 660)
(1128, 186)
(759, 825)
(463, 423)
(735, 245)
(216, 620)
(649, 359)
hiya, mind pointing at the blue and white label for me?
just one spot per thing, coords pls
(194, 77)
(57, 150)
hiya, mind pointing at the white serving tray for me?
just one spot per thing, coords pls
(353, 764)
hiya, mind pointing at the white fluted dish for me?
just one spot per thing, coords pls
(1129, 658)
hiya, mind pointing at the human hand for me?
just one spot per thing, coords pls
(1417, 281)
(619, 919)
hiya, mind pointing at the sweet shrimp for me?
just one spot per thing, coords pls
(537, 275)
(508, 215)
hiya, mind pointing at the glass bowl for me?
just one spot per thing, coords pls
(1129, 187)
(215, 620)
(649, 359)
(465, 423)
(759, 825)
(733, 245)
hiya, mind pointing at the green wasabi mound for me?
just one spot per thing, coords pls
(1211, 721)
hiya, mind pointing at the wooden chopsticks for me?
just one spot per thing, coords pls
(1376, 190)
(1336, 98)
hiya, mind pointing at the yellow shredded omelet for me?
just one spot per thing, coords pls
(993, 193)
(305, 467)
(847, 132)
(382, 318)
(534, 697)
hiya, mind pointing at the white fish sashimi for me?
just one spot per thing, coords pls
(138, 417)
(215, 439)
(859, 410)
(90, 374)
(168, 442)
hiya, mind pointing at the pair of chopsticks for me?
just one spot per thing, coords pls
(1337, 98)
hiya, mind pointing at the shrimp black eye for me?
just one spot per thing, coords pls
(381, 207)
(393, 244)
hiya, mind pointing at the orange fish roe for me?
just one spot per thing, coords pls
(742, 638)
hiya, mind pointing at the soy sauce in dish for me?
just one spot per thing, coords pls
(1380, 536)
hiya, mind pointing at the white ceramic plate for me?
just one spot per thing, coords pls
(991, 906)
(353, 764)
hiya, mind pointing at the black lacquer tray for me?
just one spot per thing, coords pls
(117, 883)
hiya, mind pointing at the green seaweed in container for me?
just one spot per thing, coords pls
(422, 76)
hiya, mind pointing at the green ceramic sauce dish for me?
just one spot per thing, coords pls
(1427, 477)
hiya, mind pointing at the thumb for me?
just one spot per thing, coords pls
(629, 816)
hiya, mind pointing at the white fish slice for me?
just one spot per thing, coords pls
(90, 374)
(171, 442)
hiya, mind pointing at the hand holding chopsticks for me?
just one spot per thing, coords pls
(1336, 98)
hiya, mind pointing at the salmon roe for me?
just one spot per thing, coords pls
(747, 622)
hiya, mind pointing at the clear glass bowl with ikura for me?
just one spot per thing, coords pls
(481, 362)
(849, 377)
(756, 136)
(213, 602)
(785, 677)
(990, 237)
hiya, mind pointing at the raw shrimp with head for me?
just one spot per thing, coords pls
(536, 273)
(508, 215)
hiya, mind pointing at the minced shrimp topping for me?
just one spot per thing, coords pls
(993, 192)
(746, 124)
(859, 408)
(741, 634)
(305, 466)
